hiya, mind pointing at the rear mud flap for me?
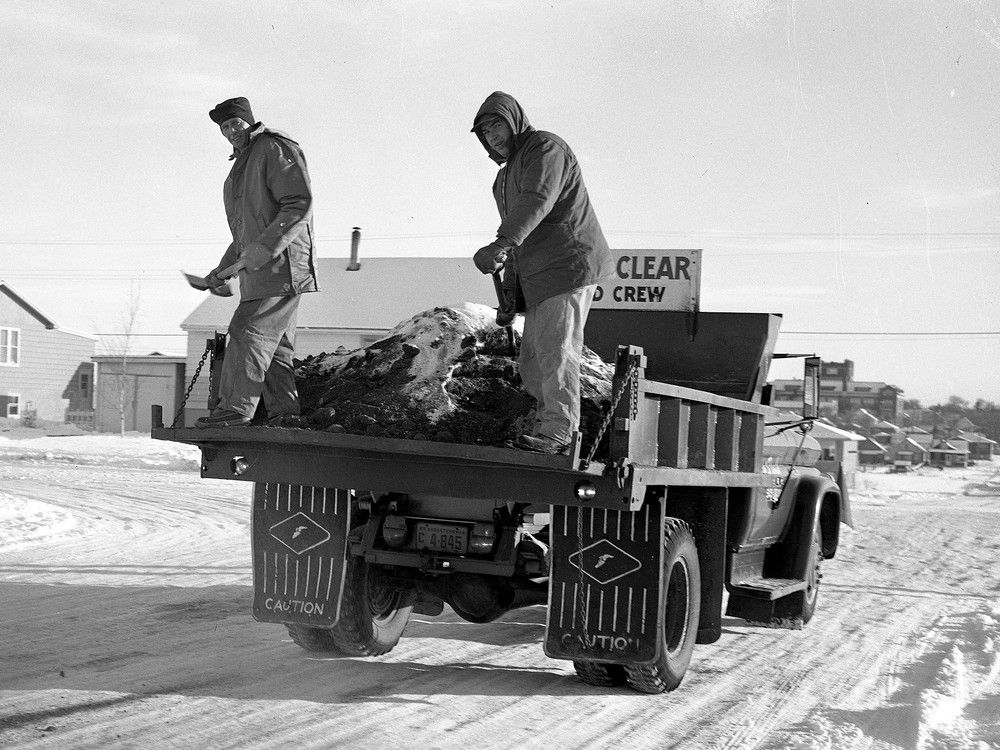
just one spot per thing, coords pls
(299, 542)
(605, 597)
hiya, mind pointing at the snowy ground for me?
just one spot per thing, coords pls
(125, 594)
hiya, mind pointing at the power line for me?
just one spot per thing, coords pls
(993, 236)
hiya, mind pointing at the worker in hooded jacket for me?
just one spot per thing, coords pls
(550, 234)
(269, 207)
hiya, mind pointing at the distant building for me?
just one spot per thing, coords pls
(839, 393)
(45, 369)
(920, 436)
(838, 449)
(128, 387)
(980, 447)
(904, 450)
(871, 452)
(945, 453)
(355, 307)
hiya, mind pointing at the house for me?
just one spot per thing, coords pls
(944, 453)
(358, 303)
(839, 449)
(128, 386)
(980, 447)
(871, 453)
(920, 436)
(45, 369)
(904, 450)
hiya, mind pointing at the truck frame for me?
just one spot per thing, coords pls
(700, 504)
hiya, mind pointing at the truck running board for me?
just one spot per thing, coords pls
(605, 598)
(299, 540)
(767, 588)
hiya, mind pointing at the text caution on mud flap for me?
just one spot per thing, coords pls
(652, 280)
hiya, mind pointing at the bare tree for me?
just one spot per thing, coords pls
(122, 383)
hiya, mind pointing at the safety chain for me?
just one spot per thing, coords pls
(609, 414)
(209, 349)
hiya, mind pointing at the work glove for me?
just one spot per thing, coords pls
(217, 285)
(490, 259)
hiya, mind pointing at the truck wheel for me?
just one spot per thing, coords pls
(318, 640)
(373, 611)
(601, 675)
(680, 616)
(795, 610)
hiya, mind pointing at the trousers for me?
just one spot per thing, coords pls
(258, 361)
(549, 362)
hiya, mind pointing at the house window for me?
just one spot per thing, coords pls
(85, 383)
(828, 453)
(10, 346)
(10, 405)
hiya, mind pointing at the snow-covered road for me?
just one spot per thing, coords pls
(124, 621)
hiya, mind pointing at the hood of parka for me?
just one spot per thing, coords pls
(503, 105)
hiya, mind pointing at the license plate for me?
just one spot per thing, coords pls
(440, 538)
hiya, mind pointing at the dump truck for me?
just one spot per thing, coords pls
(705, 502)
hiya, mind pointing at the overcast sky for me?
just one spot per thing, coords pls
(837, 162)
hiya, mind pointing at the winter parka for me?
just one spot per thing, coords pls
(269, 201)
(544, 208)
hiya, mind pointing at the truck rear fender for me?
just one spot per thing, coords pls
(817, 505)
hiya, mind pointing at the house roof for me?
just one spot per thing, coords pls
(41, 317)
(915, 444)
(382, 293)
(871, 446)
(36, 313)
(943, 446)
(975, 437)
(141, 358)
(824, 430)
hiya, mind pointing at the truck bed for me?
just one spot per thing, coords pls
(308, 457)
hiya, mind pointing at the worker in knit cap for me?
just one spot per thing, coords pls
(268, 203)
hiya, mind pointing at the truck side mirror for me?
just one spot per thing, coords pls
(810, 389)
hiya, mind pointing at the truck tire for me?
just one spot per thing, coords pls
(682, 609)
(795, 610)
(317, 640)
(373, 612)
(601, 675)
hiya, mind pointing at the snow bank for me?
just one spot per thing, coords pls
(24, 520)
(132, 450)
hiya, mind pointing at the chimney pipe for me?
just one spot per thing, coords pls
(355, 242)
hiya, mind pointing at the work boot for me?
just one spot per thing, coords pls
(223, 418)
(541, 444)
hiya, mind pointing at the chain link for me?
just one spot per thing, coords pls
(609, 414)
(209, 349)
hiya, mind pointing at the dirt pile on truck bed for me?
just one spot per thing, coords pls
(448, 374)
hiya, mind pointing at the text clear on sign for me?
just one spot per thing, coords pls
(652, 280)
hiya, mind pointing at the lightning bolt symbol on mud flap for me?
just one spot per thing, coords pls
(298, 530)
(601, 560)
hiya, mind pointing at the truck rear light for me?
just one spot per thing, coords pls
(484, 537)
(585, 491)
(394, 531)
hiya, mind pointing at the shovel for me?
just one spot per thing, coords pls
(505, 311)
